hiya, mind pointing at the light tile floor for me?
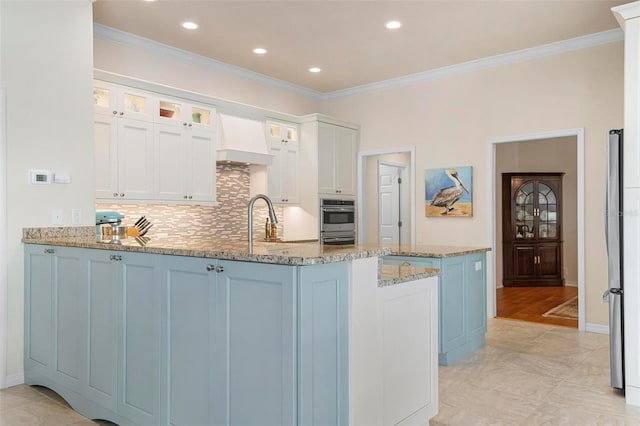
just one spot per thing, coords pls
(527, 374)
(533, 374)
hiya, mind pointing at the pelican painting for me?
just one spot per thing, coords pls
(446, 193)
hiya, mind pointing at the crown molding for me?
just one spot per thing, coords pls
(577, 43)
(550, 49)
(122, 37)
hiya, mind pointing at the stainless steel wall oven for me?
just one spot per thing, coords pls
(337, 221)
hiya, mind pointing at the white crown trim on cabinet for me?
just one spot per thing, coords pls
(582, 42)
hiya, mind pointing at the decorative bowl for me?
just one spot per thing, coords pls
(166, 112)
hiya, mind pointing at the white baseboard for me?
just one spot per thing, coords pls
(14, 379)
(632, 395)
(597, 328)
(571, 283)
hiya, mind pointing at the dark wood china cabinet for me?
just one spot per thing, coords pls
(532, 229)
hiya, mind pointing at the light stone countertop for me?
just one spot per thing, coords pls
(397, 274)
(431, 250)
(287, 253)
(263, 252)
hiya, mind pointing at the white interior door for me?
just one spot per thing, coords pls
(391, 214)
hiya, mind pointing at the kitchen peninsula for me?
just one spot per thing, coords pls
(184, 332)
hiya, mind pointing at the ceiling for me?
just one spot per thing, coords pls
(348, 39)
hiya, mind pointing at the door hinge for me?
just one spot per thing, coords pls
(399, 180)
(400, 224)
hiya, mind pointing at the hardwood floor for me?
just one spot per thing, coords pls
(529, 303)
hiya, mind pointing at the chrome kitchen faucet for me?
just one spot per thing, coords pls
(272, 215)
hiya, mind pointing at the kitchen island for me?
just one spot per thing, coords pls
(186, 332)
(462, 294)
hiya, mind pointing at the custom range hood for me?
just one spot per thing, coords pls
(242, 140)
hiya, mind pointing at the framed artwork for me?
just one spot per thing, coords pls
(448, 192)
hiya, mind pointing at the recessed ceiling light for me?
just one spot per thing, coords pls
(259, 51)
(189, 25)
(393, 25)
(314, 69)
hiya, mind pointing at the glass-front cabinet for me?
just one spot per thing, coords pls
(536, 211)
(121, 101)
(532, 233)
(183, 113)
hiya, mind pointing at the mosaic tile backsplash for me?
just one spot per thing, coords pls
(226, 221)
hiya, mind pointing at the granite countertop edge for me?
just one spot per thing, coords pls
(436, 251)
(416, 274)
(284, 253)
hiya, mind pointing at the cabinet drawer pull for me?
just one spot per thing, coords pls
(49, 251)
(115, 257)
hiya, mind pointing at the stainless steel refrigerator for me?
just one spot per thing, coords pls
(614, 222)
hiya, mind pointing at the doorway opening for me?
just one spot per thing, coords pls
(562, 151)
(370, 213)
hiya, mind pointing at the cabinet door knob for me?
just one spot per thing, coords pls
(215, 268)
(115, 112)
(115, 257)
(122, 194)
(121, 112)
(190, 124)
(49, 251)
(115, 194)
(190, 197)
(184, 196)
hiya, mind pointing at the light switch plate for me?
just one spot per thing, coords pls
(76, 217)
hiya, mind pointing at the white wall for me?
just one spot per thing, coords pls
(450, 120)
(46, 68)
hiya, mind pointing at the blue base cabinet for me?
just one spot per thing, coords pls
(323, 341)
(144, 339)
(462, 302)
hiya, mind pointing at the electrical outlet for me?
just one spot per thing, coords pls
(479, 265)
(76, 217)
(56, 216)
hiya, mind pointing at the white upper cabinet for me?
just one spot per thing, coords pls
(283, 143)
(143, 153)
(186, 165)
(122, 101)
(123, 158)
(183, 113)
(337, 150)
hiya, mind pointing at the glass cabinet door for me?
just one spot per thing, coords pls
(169, 111)
(547, 212)
(123, 102)
(201, 116)
(524, 211)
(536, 211)
(178, 112)
(105, 98)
